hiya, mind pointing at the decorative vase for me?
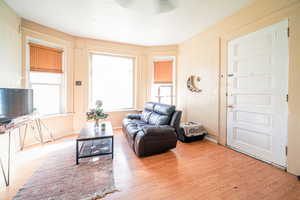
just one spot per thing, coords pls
(97, 123)
(103, 125)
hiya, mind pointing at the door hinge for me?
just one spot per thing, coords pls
(226, 94)
(287, 98)
(286, 150)
(288, 32)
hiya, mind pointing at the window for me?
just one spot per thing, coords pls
(47, 91)
(163, 93)
(112, 81)
(46, 78)
(162, 88)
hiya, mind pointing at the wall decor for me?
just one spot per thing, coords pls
(191, 85)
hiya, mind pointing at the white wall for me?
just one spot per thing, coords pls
(205, 55)
(10, 47)
(10, 62)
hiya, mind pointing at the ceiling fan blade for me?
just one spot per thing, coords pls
(149, 6)
(124, 3)
(166, 5)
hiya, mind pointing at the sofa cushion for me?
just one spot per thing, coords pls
(134, 116)
(149, 106)
(128, 121)
(146, 115)
(158, 119)
(140, 124)
(164, 109)
(132, 130)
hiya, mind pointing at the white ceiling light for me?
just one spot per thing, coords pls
(149, 6)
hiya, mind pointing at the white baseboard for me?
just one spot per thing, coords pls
(211, 139)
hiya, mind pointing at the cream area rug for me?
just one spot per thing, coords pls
(59, 178)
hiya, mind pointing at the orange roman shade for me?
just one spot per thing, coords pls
(163, 72)
(45, 59)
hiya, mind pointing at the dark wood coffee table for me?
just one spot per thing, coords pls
(94, 142)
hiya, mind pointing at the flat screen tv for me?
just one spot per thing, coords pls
(15, 103)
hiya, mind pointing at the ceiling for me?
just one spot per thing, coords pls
(108, 20)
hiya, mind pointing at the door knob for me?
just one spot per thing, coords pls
(230, 106)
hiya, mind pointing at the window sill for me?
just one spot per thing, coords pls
(55, 115)
(121, 110)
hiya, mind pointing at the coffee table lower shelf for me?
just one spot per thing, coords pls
(86, 148)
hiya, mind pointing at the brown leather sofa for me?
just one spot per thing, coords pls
(154, 130)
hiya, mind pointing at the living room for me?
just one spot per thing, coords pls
(185, 56)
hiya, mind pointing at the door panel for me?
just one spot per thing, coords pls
(257, 89)
(253, 99)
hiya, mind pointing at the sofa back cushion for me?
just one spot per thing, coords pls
(149, 107)
(158, 119)
(146, 115)
(164, 109)
(161, 114)
(157, 114)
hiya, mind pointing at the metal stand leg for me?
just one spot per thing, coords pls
(112, 147)
(3, 172)
(43, 124)
(77, 161)
(8, 168)
(7, 177)
(22, 140)
(39, 128)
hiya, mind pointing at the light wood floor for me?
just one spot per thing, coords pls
(200, 170)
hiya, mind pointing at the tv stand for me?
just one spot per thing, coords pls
(4, 121)
(6, 175)
(32, 122)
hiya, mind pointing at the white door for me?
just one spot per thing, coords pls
(257, 93)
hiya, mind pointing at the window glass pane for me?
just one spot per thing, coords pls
(166, 100)
(42, 77)
(156, 99)
(112, 81)
(155, 90)
(46, 99)
(165, 91)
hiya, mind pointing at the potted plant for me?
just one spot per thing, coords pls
(97, 114)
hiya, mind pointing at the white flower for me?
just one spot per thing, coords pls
(99, 103)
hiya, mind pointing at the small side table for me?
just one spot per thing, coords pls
(94, 142)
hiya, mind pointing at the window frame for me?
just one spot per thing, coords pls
(173, 84)
(61, 92)
(63, 83)
(91, 103)
(166, 85)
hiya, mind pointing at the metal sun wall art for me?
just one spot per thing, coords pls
(191, 85)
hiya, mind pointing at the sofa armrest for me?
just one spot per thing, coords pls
(175, 121)
(134, 116)
(158, 130)
(151, 140)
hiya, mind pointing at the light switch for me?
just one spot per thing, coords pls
(78, 83)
